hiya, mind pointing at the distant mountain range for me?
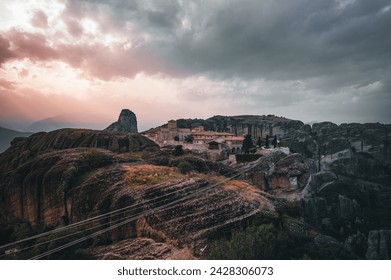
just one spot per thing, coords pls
(6, 136)
(67, 121)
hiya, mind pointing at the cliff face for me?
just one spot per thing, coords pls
(127, 122)
(50, 180)
(64, 187)
(329, 139)
(24, 148)
(256, 126)
(66, 176)
(37, 172)
(325, 138)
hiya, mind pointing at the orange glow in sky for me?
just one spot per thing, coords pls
(183, 59)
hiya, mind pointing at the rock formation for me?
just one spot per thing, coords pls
(379, 245)
(127, 122)
(325, 199)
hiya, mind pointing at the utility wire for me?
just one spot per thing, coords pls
(99, 217)
(74, 233)
(132, 218)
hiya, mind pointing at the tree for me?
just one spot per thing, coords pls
(259, 142)
(267, 140)
(189, 139)
(178, 150)
(274, 142)
(247, 143)
(176, 138)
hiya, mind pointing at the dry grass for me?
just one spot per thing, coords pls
(144, 229)
(150, 174)
(249, 193)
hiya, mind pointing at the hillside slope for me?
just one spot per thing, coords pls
(7, 135)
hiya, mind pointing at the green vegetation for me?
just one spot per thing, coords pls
(91, 161)
(178, 150)
(259, 142)
(274, 141)
(247, 143)
(94, 158)
(254, 243)
(34, 247)
(185, 167)
(267, 238)
(55, 240)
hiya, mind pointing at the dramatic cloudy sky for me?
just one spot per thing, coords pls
(311, 60)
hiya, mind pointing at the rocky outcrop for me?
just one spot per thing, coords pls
(256, 126)
(316, 182)
(139, 249)
(23, 149)
(348, 208)
(379, 245)
(372, 138)
(315, 211)
(127, 122)
(361, 165)
(67, 176)
(57, 188)
(281, 175)
(37, 172)
(301, 142)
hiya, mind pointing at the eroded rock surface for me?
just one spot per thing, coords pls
(127, 122)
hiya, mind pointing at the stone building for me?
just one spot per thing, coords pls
(167, 135)
(200, 139)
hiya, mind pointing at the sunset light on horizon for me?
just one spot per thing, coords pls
(305, 60)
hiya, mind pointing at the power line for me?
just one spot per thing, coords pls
(96, 218)
(102, 216)
(116, 212)
(120, 219)
(132, 218)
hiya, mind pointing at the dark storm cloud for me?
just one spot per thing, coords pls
(256, 53)
(298, 40)
(339, 42)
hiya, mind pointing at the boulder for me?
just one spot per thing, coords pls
(316, 182)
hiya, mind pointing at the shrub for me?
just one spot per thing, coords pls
(178, 150)
(255, 242)
(185, 167)
(150, 174)
(94, 158)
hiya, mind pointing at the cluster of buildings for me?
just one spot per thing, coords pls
(197, 138)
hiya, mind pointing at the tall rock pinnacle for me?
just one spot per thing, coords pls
(127, 122)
